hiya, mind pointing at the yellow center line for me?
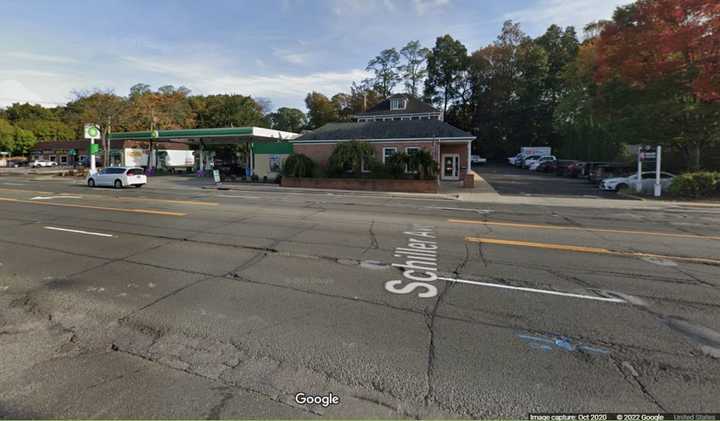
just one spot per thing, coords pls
(68, 205)
(147, 199)
(583, 249)
(561, 227)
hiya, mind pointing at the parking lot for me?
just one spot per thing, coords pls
(509, 180)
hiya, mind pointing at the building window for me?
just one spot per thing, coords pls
(397, 119)
(53, 158)
(388, 152)
(410, 151)
(63, 159)
(415, 117)
(398, 103)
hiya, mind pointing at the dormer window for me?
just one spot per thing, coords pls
(398, 104)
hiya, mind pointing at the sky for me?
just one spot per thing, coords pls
(275, 49)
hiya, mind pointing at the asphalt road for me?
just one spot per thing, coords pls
(173, 301)
(509, 180)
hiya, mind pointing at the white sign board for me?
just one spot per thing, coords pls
(92, 131)
(216, 176)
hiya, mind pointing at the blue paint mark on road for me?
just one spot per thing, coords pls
(563, 343)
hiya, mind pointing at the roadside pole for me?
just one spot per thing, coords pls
(638, 186)
(658, 158)
(92, 156)
(92, 132)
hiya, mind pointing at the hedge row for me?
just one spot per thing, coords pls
(696, 184)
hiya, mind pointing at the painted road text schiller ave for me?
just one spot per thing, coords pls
(420, 266)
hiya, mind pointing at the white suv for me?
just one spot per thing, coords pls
(118, 177)
(533, 165)
(39, 163)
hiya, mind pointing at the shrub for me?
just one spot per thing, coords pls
(298, 165)
(348, 157)
(423, 162)
(697, 184)
(396, 164)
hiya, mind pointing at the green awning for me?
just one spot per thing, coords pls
(273, 148)
(184, 133)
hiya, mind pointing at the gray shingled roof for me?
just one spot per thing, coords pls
(413, 106)
(403, 129)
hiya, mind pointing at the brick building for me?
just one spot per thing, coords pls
(401, 123)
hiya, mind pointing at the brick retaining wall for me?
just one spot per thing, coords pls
(407, 186)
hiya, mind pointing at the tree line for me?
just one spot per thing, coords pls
(650, 75)
(168, 107)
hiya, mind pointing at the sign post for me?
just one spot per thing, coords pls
(92, 132)
(638, 186)
(658, 158)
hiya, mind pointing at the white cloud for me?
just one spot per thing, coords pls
(368, 7)
(207, 77)
(291, 57)
(12, 90)
(577, 13)
(424, 6)
(40, 57)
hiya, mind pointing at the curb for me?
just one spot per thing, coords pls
(429, 196)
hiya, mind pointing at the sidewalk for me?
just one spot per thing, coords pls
(481, 193)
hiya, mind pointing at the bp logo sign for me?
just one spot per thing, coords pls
(92, 131)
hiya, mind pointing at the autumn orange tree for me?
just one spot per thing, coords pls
(665, 54)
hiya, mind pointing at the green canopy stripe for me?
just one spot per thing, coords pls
(184, 133)
(273, 148)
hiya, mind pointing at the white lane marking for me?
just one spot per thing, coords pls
(480, 211)
(99, 234)
(659, 261)
(14, 184)
(239, 197)
(539, 291)
(55, 197)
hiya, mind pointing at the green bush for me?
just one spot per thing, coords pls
(423, 162)
(697, 184)
(298, 165)
(396, 164)
(347, 157)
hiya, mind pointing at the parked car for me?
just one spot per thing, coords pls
(590, 167)
(563, 166)
(17, 163)
(477, 160)
(513, 160)
(576, 169)
(611, 170)
(548, 166)
(533, 160)
(118, 177)
(40, 163)
(648, 181)
(533, 165)
(524, 162)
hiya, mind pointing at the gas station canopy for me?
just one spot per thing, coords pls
(218, 136)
